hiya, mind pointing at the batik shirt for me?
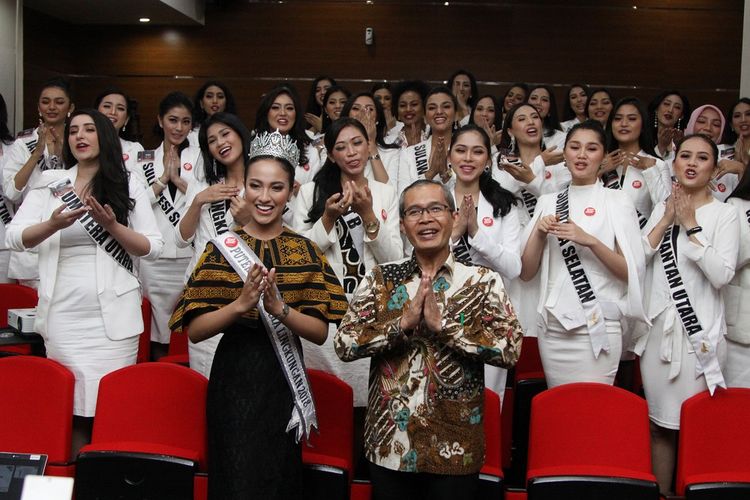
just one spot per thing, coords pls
(426, 398)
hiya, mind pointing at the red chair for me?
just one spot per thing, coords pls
(37, 412)
(149, 434)
(329, 461)
(528, 381)
(178, 349)
(14, 296)
(712, 457)
(144, 341)
(590, 441)
(491, 474)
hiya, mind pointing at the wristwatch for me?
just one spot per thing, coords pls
(693, 230)
(376, 156)
(283, 314)
(371, 228)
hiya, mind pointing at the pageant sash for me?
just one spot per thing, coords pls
(349, 230)
(218, 212)
(591, 306)
(63, 189)
(708, 362)
(613, 182)
(286, 345)
(146, 159)
(529, 201)
(420, 157)
(5, 216)
(54, 161)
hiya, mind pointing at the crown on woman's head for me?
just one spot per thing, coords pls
(275, 144)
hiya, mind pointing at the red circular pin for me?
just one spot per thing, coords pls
(590, 211)
(125, 157)
(637, 184)
(488, 221)
(230, 241)
(721, 187)
(384, 214)
(306, 166)
(188, 166)
(547, 174)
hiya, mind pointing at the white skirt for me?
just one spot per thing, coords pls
(664, 396)
(737, 372)
(201, 355)
(75, 329)
(567, 357)
(162, 282)
(495, 379)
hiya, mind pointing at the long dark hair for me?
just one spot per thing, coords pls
(596, 91)
(199, 114)
(6, 137)
(170, 101)
(328, 179)
(331, 90)
(550, 122)
(312, 105)
(297, 132)
(215, 170)
(498, 111)
(132, 129)
(653, 108)
(730, 136)
(417, 86)
(110, 183)
(568, 111)
(508, 124)
(472, 82)
(645, 141)
(380, 123)
(500, 198)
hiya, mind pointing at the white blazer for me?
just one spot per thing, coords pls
(119, 291)
(496, 244)
(130, 151)
(386, 246)
(190, 155)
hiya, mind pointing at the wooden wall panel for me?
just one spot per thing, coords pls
(664, 43)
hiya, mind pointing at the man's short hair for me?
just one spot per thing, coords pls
(423, 182)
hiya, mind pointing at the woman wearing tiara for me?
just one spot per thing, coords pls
(249, 400)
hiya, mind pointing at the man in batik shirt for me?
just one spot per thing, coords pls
(429, 324)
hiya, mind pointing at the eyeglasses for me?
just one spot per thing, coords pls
(415, 213)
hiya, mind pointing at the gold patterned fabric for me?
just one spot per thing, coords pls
(426, 393)
(305, 280)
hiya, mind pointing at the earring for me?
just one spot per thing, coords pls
(512, 143)
(213, 162)
(656, 121)
(679, 122)
(68, 114)
(487, 168)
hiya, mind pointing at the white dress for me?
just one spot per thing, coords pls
(75, 335)
(736, 297)
(668, 361)
(201, 355)
(564, 341)
(163, 279)
(386, 247)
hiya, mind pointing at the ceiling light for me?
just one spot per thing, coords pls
(145, 19)
(446, 4)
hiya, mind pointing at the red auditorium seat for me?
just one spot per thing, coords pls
(149, 434)
(329, 462)
(178, 349)
(712, 458)
(37, 412)
(590, 441)
(144, 341)
(14, 296)
(491, 475)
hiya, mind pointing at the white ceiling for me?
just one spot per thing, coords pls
(124, 12)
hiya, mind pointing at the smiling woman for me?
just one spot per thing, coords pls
(165, 173)
(354, 220)
(89, 295)
(123, 113)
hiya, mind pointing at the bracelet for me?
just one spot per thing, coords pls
(283, 314)
(693, 230)
(376, 156)
(159, 183)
